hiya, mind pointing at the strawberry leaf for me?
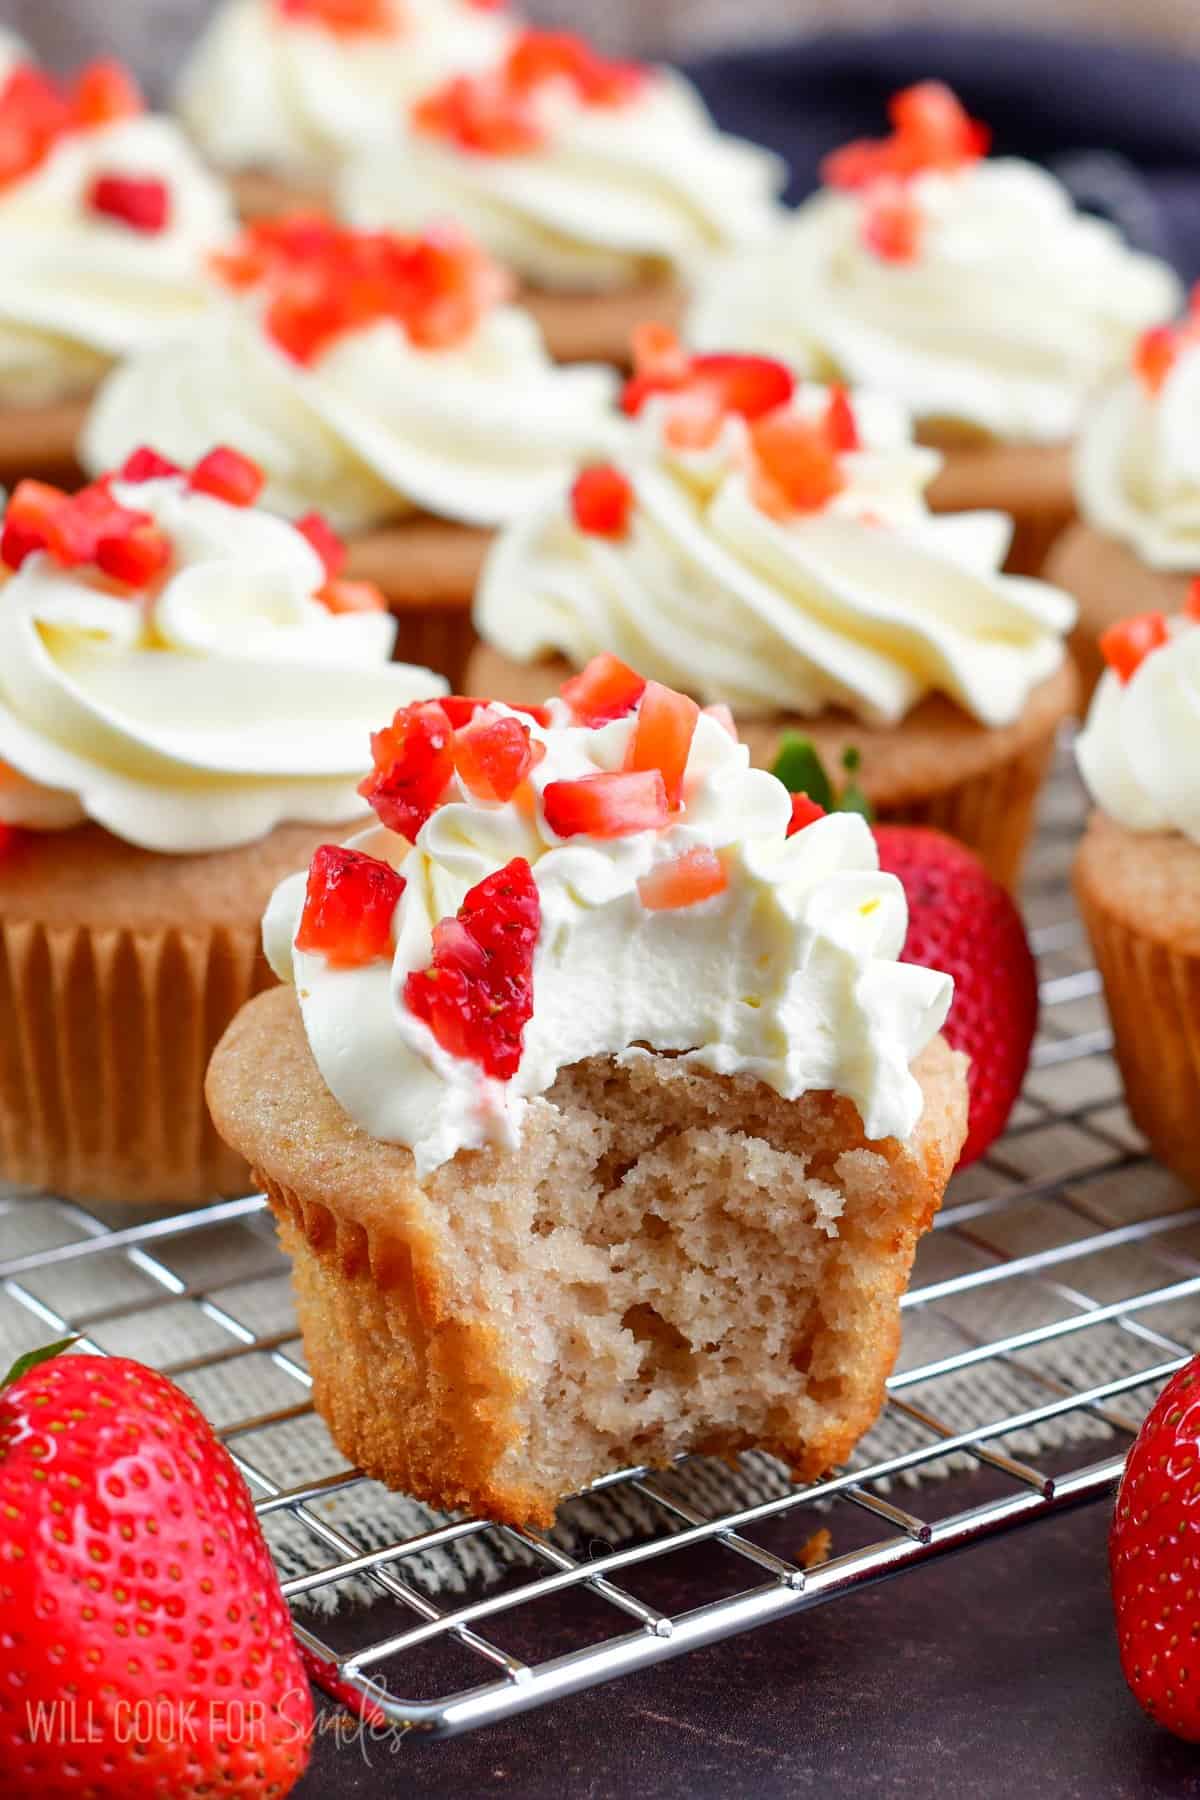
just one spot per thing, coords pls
(798, 765)
(32, 1359)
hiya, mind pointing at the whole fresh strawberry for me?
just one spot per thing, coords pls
(1154, 1559)
(145, 1646)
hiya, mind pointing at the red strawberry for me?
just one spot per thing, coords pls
(602, 499)
(662, 737)
(325, 541)
(606, 806)
(228, 476)
(494, 755)
(141, 202)
(695, 876)
(1153, 1560)
(477, 995)
(604, 689)
(141, 1620)
(145, 464)
(1126, 645)
(349, 904)
(963, 922)
(414, 760)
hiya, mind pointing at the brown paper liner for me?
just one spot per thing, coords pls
(1140, 899)
(106, 1028)
(427, 569)
(1109, 583)
(936, 767)
(39, 442)
(1032, 483)
(260, 194)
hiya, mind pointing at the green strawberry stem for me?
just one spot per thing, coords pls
(33, 1358)
(798, 765)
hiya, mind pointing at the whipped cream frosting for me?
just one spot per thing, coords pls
(1137, 465)
(613, 196)
(790, 974)
(263, 89)
(1013, 309)
(869, 604)
(1137, 752)
(231, 703)
(79, 289)
(376, 426)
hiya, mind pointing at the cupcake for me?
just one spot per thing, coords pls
(1136, 547)
(769, 543)
(970, 288)
(278, 92)
(599, 1117)
(183, 680)
(106, 222)
(1137, 872)
(383, 381)
(602, 185)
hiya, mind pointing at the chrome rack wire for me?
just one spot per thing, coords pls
(1047, 1307)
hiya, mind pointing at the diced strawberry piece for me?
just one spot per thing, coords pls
(856, 164)
(480, 114)
(724, 716)
(141, 202)
(658, 353)
(33, 116)
(135, 556)
(892, 227)
(709, 387)
(1155, 356)
(602, 499)
(662, 737)
(494, 756)
(932, 119)
(303, 322)
(145, 464)
(104, 93)
(345, 18)
(693, 418)
(841, 427)
(794, 470)
(28, 520)
(804, 812)
(540, 56)
(477, 995)
(606, 689)
(325, 541)
(1192, 603)
(1126, 645)
(695, 876)
(414, 760)
(227, 475)
(606, 805)
(750, 386)
(83, 519)
(344, 596)
(460, 709)
(349, 906)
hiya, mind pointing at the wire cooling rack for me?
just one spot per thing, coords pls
(1055, 1295)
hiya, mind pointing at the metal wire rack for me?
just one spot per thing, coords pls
(1047, 1307)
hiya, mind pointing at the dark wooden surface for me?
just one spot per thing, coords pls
(992, 1673)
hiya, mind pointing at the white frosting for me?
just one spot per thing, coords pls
(373, 428)
(869, 604)
(1137, 751)
(1137, 465)
(264, 90)
(234, 702)
(789, 975)
(615, 194)
(1013, 311)
(78, 289)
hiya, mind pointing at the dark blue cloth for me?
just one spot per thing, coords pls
(1120, 124)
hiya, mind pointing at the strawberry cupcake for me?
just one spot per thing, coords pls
(183, 684)
(107, 220)
(599, 1116)
(383, 381)
(278, 92)
(1137, 873)
(602, 185)
(1136, 547)
(969, 287)
(770, 544)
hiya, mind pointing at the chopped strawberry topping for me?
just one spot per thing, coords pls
(227, 475)
(477, 994)
(36, 111)
(494, 113)
(541, 56)
(143, 203)
(414, 760)
(349, 905)
(134, 555)
(724, 716)
(345, 18)
(460, 709)
(1126, 645)
(931, 130)
(841, 426)
(28, 520)
(78, 529)
(602, 500)
(1192, 604)
(662, 737)
(145, 464)
(606, 805)
(105, 93)
(750, 386)
(325, 541)
(695, 876)
(804, 812)
(493, 756)
(794, 467)
(893, 226)
(343, 596)
(605, 689)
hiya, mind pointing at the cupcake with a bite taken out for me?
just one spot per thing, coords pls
(184, 680)
(969, 287)
(603, 185)
(768, 543)
(384, 381)
(599, 1116)
(1137, 872)
(107, 221)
